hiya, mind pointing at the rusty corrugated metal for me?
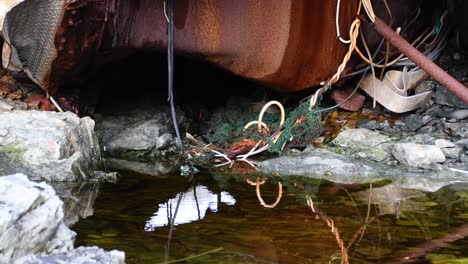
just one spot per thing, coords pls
(288, 44)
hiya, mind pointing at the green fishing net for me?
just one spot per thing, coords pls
(301, 127)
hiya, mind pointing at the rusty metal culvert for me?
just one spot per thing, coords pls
(288, 44)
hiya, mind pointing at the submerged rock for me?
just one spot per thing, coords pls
(153, 169)
(417, 155)
(391, 199)
(31, 219)
(48, 145)
(81, 255)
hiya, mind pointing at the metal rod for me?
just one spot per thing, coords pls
(421, 60)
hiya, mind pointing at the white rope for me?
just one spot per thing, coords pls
(369, 9)
(337, 24)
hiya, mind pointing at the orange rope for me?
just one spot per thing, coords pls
(259, 195)
(334, 230)
(354, 33)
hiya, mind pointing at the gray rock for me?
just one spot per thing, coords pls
(452, 153)
(414, 122)
(449, 148)
(463, 143)
(31, 219)
(154, 169)
(464, 160)
(164, 141)
(360, 138)
(368, 124)
(435, 110)
(321, 164)
(417, 155)
(457, 114)
(9, 105)
(424, 139)
(324, 164)
(143, 134)
(362, 143)
(457, 129)
(4, 106)
(445, 97)
(81, 255)
(48, 145)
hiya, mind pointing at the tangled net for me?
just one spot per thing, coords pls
(300, 128)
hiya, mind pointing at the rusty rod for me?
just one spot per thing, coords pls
(421, 60)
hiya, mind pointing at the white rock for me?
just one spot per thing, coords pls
(443, 143)
(31, 219)
(416, 155)
(48, 145)
(81, 255)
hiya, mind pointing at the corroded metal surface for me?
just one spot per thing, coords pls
(288, 44)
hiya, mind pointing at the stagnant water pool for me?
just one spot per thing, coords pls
(220, 220)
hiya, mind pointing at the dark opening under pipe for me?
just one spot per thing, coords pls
(421, 60)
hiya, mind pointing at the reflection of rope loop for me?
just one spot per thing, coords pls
(259, 195)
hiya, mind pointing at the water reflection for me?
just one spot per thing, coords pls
(378, 224)
(78, 199)
(193, 207)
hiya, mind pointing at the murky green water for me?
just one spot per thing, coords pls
(223, 214)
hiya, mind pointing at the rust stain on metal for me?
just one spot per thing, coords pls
(288, 44)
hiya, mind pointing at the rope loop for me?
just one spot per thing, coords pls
(259, 195)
